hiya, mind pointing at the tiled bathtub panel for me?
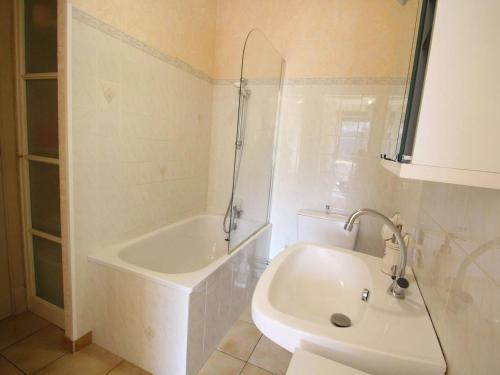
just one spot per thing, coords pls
(196, 329)
(140, 320)
(216, 316)
(224, 294)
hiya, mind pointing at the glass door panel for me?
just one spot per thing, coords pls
(44, 197)
(40, 33)
(47, 264)
(260, 85)
(41, 117)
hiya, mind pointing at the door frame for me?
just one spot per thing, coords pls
(45, 309)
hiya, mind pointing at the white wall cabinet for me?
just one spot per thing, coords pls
(457, 137)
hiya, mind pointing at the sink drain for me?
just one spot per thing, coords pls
(340, 320)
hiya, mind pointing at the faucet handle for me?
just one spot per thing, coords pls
(238, 211)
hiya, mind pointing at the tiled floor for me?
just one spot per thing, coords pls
(31, 345)
(245, 351)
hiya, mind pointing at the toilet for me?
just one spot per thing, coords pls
(326, 229)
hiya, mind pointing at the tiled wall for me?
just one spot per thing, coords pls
(330, 136)
(255, 173)
(223, 137)
(328, 146)
(457, 264)
(140, 134)
(255, 169)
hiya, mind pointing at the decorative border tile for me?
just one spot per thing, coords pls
(395, 81)
(346, 81)
(253, 81)
(225, 82)
(112, 31)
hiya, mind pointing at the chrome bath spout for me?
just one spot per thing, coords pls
(399, 284)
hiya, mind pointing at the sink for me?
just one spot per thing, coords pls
(305, 291)
(305, 284)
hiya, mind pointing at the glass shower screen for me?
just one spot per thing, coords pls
(259, 93)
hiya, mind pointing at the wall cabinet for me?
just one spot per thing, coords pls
(457, 131)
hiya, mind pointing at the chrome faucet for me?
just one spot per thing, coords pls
(399, 283)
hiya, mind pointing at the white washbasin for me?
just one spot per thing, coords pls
(305, 284)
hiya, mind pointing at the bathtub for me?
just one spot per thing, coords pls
(164, 300)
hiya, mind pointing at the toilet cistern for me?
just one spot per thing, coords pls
(399, 283)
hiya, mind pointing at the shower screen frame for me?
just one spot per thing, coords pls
(243, 100)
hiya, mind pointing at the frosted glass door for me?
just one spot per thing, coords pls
(41, 158)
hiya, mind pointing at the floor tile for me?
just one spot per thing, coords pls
(37, 350)
(127, 368)
(6, 368)
(93, 360)
(271, 357)
(254, 370)
(222, 364)
(240, 340)
(246, 316)
(18, 327)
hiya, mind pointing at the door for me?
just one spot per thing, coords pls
(39, 163)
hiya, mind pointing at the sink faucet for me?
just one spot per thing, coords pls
(399, 283)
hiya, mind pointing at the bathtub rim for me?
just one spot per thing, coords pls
(188, 281)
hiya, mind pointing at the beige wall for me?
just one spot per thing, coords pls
(334, 38)
(184, 29)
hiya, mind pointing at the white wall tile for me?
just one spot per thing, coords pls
(456, 230)
(328, 153)
(141, 137)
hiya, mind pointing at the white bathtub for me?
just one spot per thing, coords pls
(164, 300)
